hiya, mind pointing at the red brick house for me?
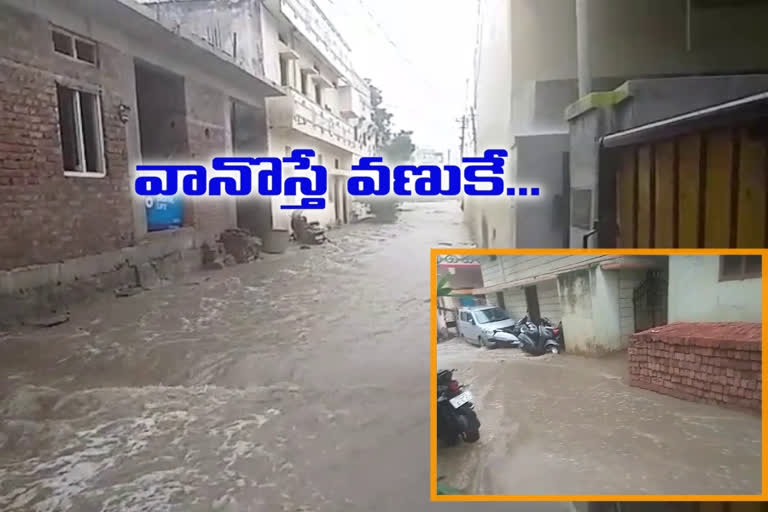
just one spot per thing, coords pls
(89, 88)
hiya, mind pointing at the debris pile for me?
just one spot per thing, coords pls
(240, 244)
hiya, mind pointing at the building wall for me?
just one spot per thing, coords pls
(519, 91)
(44, 215)
(279, 140)
(208, 125)
(228, 26)
(513, 268)
(696, 295)
(632, 38)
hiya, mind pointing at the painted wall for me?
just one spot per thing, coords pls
(576, 291)
(635, 38)
(597, 309)
(696, 295)
(513, 268)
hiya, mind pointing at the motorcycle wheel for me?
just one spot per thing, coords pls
(553, 350)
(471, 437)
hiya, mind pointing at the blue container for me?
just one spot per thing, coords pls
(164, 212)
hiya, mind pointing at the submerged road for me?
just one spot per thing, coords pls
(295, 383)
(562, 424)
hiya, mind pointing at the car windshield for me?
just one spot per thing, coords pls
(486, 316)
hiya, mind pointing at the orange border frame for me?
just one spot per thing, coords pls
(434, 253)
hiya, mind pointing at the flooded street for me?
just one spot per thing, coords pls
(564, 424)
(298, 382)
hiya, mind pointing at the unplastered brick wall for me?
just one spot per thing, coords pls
(718, 363)
(46, 216)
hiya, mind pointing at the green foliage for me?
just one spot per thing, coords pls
(395, 149)
(399, 149)
(443, 290)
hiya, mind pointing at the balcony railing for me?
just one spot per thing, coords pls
(313, 24)
(298, 112)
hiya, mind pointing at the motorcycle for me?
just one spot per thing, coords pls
(557, 330)
(541, 339)
(456, 417)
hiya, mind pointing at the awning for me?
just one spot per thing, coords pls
(744, 109)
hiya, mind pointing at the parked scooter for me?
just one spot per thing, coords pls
(557, 330)
(456, 417)
(541, 339)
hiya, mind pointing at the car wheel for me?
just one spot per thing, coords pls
(553, 350)
(481, 342)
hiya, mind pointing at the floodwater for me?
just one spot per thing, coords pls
(563, 424)
(295, 383)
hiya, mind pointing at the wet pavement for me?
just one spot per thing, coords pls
(562, 424)
(298, 382)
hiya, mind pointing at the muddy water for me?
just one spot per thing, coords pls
(570, 425)
(293, 383)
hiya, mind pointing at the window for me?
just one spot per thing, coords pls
(734, 268)
(284, 72)
(73, 46)
(494, 314)
(318, 94)
(82, 136)
(336, 163)
(304, 83)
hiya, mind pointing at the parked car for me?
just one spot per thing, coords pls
(479, 325)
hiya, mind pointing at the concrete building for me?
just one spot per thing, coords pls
(603, 300)
(88, 89)
(326, 105)
(466, 276)
(428, 156)
(715, 289)
(539, 66)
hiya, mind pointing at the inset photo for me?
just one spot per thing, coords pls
(579, 375)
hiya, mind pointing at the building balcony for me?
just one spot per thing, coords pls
(296, 111)
(317, 29)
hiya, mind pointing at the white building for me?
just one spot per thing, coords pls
(327, 104)
(602, 300)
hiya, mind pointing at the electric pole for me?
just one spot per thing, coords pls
(474, 131)
(461, 139)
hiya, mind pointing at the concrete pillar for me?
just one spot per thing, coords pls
(582, 47)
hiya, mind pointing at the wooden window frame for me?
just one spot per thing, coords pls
(743, 275)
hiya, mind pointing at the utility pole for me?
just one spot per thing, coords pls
(463, 128)
(474, 131)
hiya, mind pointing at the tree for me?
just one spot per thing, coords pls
(395, 149)
(399, 149)
(380, 117)
(443, 290)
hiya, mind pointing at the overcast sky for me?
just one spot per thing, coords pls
(423, 70)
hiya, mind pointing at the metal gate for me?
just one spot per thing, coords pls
(649, 300)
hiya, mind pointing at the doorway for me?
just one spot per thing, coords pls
(162, 118)
(532, 303)
(500, 300)
(248, 124)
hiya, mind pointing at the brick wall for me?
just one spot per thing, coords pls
(718, 363)
(45, 216)
(209, 136)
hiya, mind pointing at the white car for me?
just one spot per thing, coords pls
(486, 326)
